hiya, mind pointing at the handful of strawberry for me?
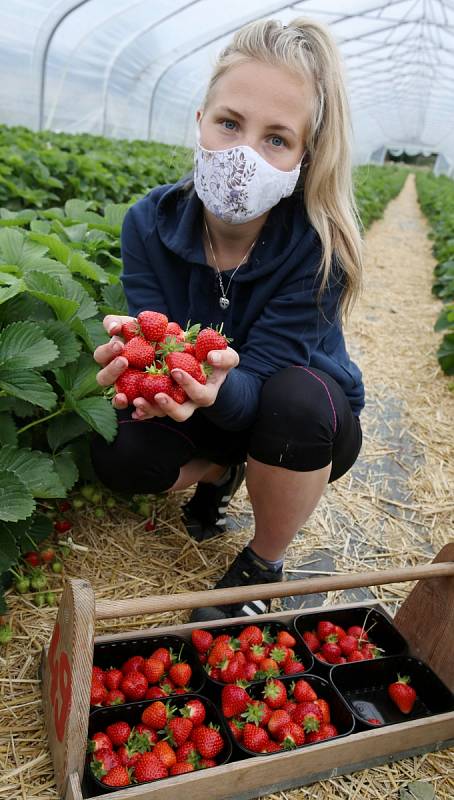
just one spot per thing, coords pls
(287, 716)
(252, 655)
(167, 741)
(154, 347)
(331, 643)
(161, 674)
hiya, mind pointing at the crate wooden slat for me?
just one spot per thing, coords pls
(71, 653)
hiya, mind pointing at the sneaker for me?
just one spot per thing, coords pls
(204, 514)
(245, 570)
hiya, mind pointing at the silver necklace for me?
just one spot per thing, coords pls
(224, 302)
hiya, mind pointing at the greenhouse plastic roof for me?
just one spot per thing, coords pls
(138, 69)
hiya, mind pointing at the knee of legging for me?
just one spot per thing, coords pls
(120, 466)
(297, 399)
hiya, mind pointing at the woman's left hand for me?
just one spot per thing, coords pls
(200, 395)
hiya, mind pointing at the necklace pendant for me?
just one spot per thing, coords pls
(224, 303)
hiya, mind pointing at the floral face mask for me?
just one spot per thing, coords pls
(237, 184)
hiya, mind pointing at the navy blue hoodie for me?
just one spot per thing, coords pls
(273, 317)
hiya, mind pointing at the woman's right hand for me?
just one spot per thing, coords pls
(109, 357)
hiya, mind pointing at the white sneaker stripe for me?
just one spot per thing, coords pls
(260, 604)
(226, 498)
(221, 521)
(250, 611)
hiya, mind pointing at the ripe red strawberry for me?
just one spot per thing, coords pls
(113, 678)
(355, 656)
(155, 715)
(374, 721)
(285, 639)
(256, 653)
(128, 383)
(48, 555)
(153, 669)
(309, 716)
(236, 728)
(130, 329)
(117, 776)
(289, 707)
(205, 763)
(98, 693)
(291, 735)
(303, 692)
(151, 737)
(155, 692)
(163, 654)
(324, 629)
(402, 695)
(103, 761)
(269, 667)
(277, 720)
(187, 752)
(279, 654)
(257, 712)
(324, 732)
(187, 363)
(32, 557)
(179, 730)
(275, 693)
(153, 382)
(174, 329)
(331, 651)
(208, 741)
(152, 324)
(164, 752)
(273, 747)
(134, 685)
(255, 738)
(178, 394)
(114, 698)
(293, 667)
(180, 673)
(348, 644)
(150, 768)
(140, 354)
(249, 671)
(195, 711)
(118, 732)
(99, 741)
(233, 670)
(358, 632)
(339, 632)
(202, 640)
(249, 636)
(209, 339)
(181, 768)
(324, 708)
(219, 653)
(133, 664)
(127, 757)
(98, 674)
(234, 700)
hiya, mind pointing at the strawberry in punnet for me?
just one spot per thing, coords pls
(127, 757)
(309, 716)
(155, 692)
(195, 711)
(255, 738)
(181, 768)
(324, 732)
(233, 670)
(234, 700)
(355, 656)
(98, 693)
(249, 636)
(202, 640)
(153, 669)
(256, 653)
(118, 732)
(277, 720)
(358, 632)
(208, 741)
(155, 715)
(292, 667)
(178, 730)
(374, 721)
(257, 712)
(152, 324)
(114, 698)
(98, 674)
(133, 664)
(402, 695)
(128, 383)
(331, 651)
(291, 735)
(303, 692)
(324, 708)
(289, 707)
(163, 654)
(113, 678)
(250, 670)
(150, 768)
(209, 339)
(164, 752)
(99, 741)
(134, 685)
(268, 668)
(147, 737)
(348, 644)
(279, 654)
(236, 728)
(180, 673)
(103, 761)
(174, 329)
(275, 693)
(220, 651)
(285, 639)
(339, 632)
(117, 776)
(140, 354)
(324, 629)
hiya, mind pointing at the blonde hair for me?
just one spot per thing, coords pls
(307, 48)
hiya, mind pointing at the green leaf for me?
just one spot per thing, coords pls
(99, 414)
(12, 291)
(114, 300)
(88, 269)
(9, 552)
(445, 353)
(64, 428)
(8, 430)
(74, 208)
(20, 407)
(67, 343)
(24, 345)
(60, 251)
(74, 291)
(114, 214)
(16, 501)
(28, 385)
(34, 468)
(16, 247)
(66, 469)
(51, 291)
(41, 527)
(79, 378)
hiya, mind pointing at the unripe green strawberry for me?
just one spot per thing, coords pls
(6, 634)
(51, 599)
(99, 513)
(22, 585)
(56, 567)
(38, 581)
(39, 599)
(88, 491)
(140, 353)
(110, 502)
(78, 503)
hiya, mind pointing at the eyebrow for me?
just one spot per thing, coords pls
(276, 127)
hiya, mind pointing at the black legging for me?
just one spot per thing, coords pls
(304, 421)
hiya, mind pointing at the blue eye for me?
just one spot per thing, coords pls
(229, 124)
(277, 141)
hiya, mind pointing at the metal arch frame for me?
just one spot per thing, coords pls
(43, 57)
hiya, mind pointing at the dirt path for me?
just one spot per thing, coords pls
(395, 507)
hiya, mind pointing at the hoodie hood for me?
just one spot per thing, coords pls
(179, 220)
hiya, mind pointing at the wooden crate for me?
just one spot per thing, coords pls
(425, 619)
